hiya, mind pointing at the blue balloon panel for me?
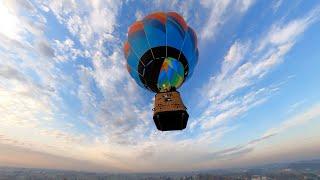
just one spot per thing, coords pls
(175, 35)
(156, 32)
(139, 43)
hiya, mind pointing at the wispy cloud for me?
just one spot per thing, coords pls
(217, 113)
(276, 5)
(245, 64)
(220, 12)
(312, 113)
(304, 117)
(65, 50)
(296, 106)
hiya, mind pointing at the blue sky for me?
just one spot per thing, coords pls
(67, 101)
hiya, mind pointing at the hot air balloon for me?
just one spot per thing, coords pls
(161, 53)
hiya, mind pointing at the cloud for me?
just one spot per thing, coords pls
(30, 85)
(296, 105)
(160, 150)
(235, 54)
(245, 64)
(36, 159)
(190, 10)
(312, 113)
(236, 151)
(66, 51)
(18, 25)
(281, 34)
(228, 154)
(220, 12)
(139, 15)
(216, 17)
(85, 94)
(45, 49)
(91, 22)
(276, 5)
(304, 117)
(8, 72)
(104, 85)
(10, 28)
(217, 113)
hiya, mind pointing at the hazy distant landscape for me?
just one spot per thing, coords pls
(296, 170)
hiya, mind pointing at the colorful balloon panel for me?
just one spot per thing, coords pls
(171, 74)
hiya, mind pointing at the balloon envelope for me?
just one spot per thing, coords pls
(161, 51)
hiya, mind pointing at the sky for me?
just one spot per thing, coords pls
(68, 102)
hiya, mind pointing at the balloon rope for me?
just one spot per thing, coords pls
(148, 43)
